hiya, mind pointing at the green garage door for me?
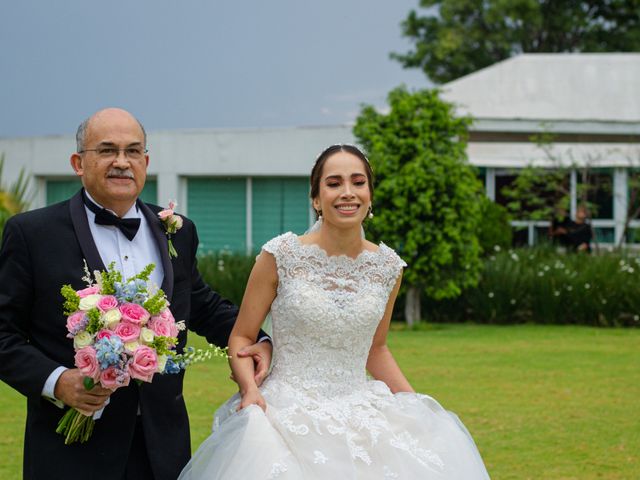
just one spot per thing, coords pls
(59, 190)
(278, 205)
(218, 206)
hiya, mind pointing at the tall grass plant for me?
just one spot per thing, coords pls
(543, 285)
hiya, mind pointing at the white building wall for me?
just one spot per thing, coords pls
(175, 155)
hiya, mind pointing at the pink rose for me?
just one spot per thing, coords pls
(88, 291)
(128, 332)
(165, 213)
(113, 378)
(144, 364)
(134, 313)
(107, 303)
(163, 327)
(86, 361)
(103, 334)
(75, 322)
(166, 313)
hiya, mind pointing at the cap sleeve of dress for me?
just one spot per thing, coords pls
(394, 263)
(274, 246)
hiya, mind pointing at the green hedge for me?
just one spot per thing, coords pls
(227, 273)
(541, 285)
(529, 285)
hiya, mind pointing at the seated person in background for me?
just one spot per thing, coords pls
(579, 233)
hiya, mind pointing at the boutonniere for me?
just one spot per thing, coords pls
(172, 223)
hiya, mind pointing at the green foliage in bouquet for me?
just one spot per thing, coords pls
(156, 303)
(109, 278)
(163, 345)
(192, 355)
(95, 322)
(71, 300)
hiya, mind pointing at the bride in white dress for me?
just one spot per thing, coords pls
(318, 415)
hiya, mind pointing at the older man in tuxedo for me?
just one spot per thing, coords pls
(144, 430)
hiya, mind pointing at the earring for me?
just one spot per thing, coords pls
(370, 214)
(319, 213)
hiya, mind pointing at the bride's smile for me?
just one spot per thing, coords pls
(348, 209)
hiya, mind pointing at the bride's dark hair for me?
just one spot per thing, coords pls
(316, 171)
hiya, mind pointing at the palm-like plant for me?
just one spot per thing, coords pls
(15, 198)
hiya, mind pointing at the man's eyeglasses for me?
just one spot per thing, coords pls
(132, 153)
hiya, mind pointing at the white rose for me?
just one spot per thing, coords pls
(146, 335)
(176, 220)
(89, 302)
(162, 363)
(111, 318)
(82, 339)
(131, 347)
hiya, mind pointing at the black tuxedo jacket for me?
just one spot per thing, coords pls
(43, 250)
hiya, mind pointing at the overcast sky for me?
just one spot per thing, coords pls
(197, 63)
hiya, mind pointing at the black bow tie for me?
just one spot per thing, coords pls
(128, 226)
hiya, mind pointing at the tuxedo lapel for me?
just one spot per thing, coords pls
(157, 229)
(81, 227)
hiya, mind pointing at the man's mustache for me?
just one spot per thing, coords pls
(118, 172)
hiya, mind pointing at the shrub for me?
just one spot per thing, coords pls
(226, 272)
(540, 285)
(14, 198)
(494, 227)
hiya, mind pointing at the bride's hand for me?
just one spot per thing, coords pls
(252, 397)
(261, 353)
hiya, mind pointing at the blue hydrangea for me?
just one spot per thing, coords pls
(172, 366)
(108, 351)
(133, 291)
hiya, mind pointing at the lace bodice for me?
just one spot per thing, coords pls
(326, 312)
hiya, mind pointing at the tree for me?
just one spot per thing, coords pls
(426, 198)
(13, 199)
(457, 37)
(495, 229)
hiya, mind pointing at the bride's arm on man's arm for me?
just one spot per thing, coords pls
(381, 364)
(258, 296)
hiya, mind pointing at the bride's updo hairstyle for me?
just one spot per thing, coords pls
(316, 171)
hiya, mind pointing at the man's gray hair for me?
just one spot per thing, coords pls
(82, 131)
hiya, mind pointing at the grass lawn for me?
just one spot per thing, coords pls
(542, 402)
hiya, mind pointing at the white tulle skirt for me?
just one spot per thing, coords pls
(367, 434)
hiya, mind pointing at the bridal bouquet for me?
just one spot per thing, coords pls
(121, 330)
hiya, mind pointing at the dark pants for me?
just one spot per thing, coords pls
(138, 465)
